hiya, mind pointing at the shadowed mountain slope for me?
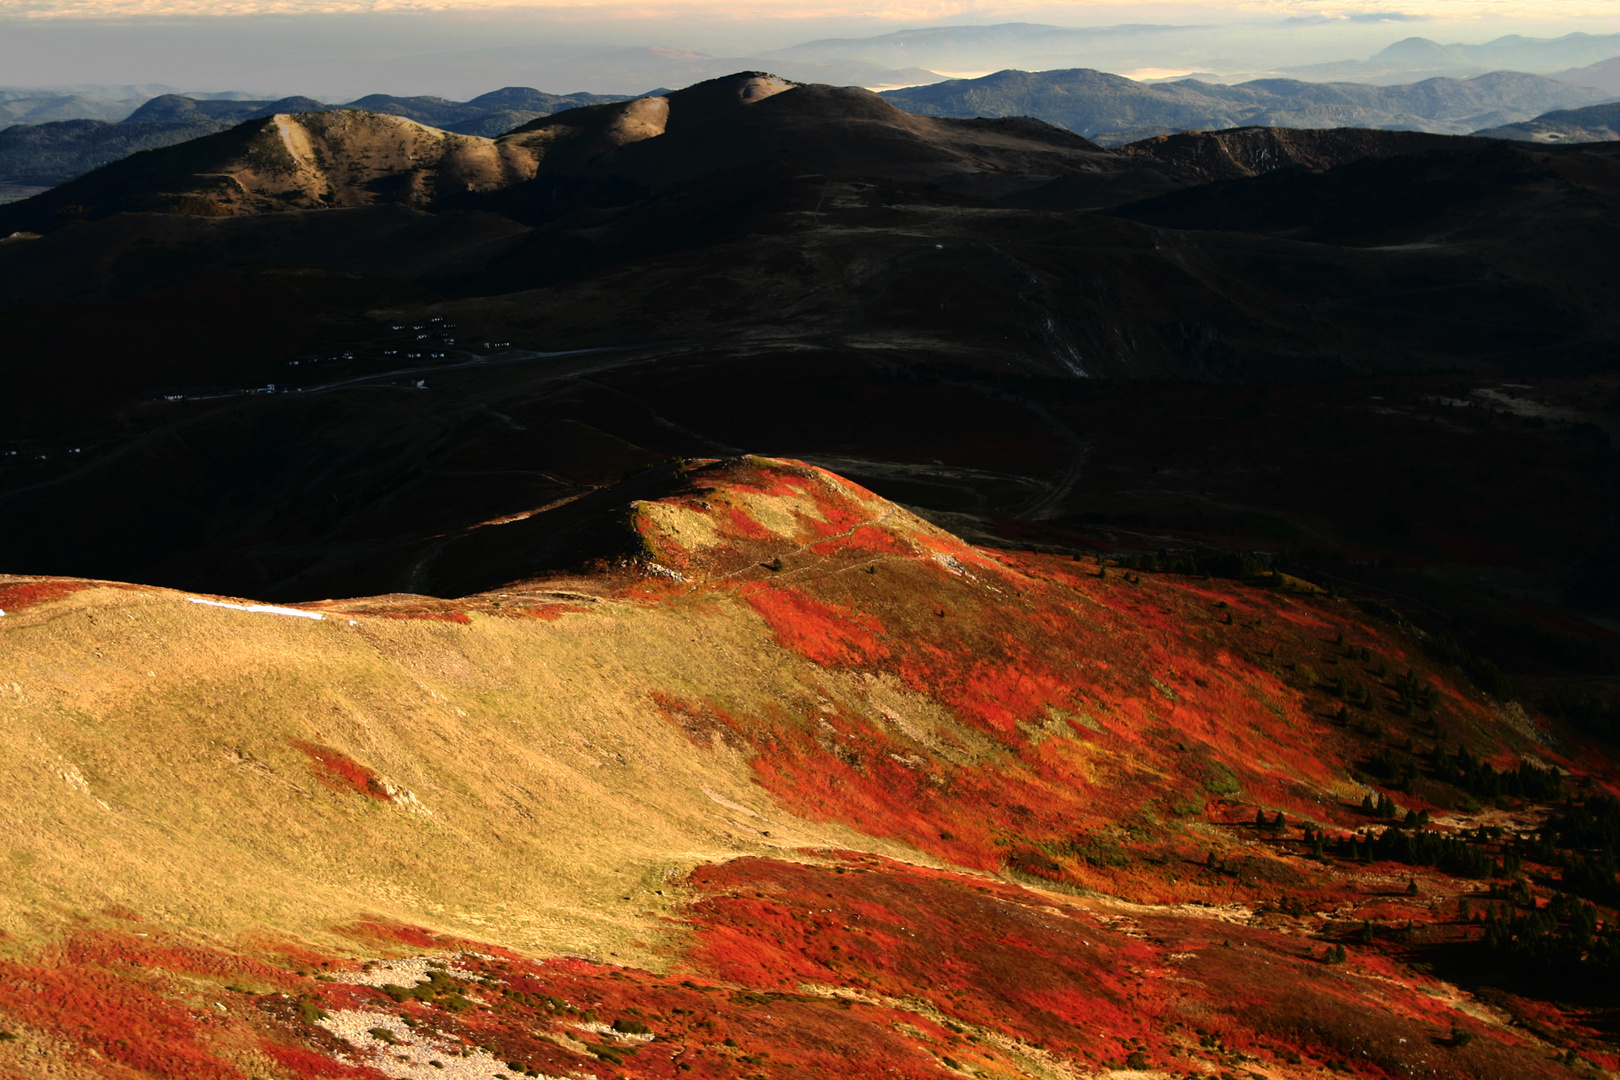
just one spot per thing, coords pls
(838, 131)
(1111, 108)
(1252, 151)
(45, 155)
(796, 773)
(434, 366)
(1448, 190)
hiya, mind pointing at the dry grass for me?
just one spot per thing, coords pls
(153, 766)
(830, 680)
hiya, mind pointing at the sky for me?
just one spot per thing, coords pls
(872, 12)
(330, 48)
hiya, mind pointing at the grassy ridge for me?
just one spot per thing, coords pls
(785, 754)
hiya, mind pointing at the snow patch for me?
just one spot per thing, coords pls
(263, 609)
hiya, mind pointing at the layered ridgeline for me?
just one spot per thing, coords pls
(50, 152)
(1109, 108)
(792, 784)
(1113, 109)
(354, 158)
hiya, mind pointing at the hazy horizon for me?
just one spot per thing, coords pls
(335, 55)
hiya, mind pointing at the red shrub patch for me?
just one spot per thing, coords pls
(743, 525)
(160, 953)
(438, 616)
(27, 594)
(1185, 992)
(551, 612)
(112, 1016)
(417, 937)
(307, 1063)
(866, 539)
(822, 632)
(340, 772)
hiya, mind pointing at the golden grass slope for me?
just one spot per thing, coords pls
(543, 763)
(154, 764)
(352, 158)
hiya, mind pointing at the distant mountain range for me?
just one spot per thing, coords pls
(489, 114)
(1254, 151)
(969, 48)
(1417, 56)
(1605, 75)
(28, 106)
(47, 154)
(1595, 123)
(1110, 109)
(1130, 48)
(32, 105)
(1114, 110)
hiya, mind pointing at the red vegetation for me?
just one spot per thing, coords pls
(300, 1062)
(396, 933)
(856, 966)
(417, 937)
(1086, 698)
(164, 953)
(550, 612)
(118, 1013)
(439, 616)
(27, 594)
(342, 773)
(745, 526)
(866, 539)
(823, 632)
(1186, 992)
(1069, 727)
